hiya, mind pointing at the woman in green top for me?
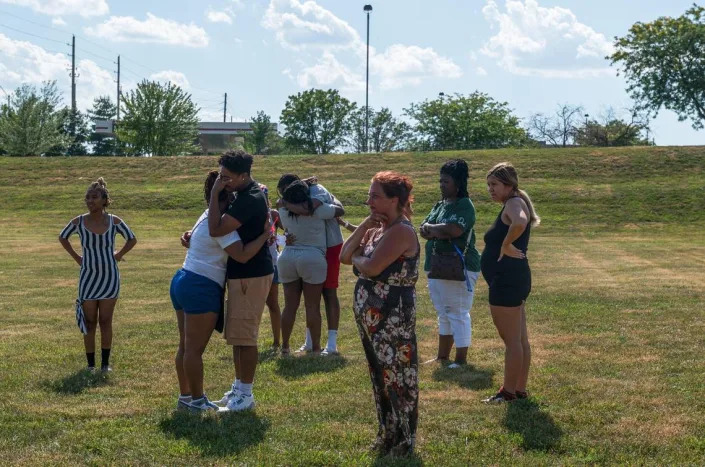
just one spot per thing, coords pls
(449, 225)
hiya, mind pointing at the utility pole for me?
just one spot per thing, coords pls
(367, 9)
(118, 90)
(225, 106)
(73, 74)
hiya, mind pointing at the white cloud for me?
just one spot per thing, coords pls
(479, 71)
(339, 52)
(299, 25)
(22, 62)
(219, 17)
(175, 77)
(402, 65)
(548, 42)
(58, 21)
(84, 8)
(328, 72)
(151, 30)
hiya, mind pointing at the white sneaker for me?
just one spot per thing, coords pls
(304, 349)
(183, 403)
(329, 352)
(228, 396)
(242, 402)
(203, 405)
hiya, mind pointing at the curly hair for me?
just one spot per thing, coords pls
(457, 169)
(101, 187)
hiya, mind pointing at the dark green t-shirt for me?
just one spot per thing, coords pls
(461, 212)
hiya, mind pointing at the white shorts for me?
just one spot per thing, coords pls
(452, 302)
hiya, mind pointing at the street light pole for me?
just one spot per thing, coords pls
(367, 9)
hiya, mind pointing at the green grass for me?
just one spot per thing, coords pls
(616, 322)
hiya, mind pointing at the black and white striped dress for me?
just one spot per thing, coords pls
(99, 278)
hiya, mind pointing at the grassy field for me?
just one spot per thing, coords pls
(616, 320)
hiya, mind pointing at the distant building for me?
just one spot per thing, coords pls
(213, 137)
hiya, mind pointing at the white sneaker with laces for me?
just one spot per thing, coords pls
(228, 396)
(329, 352)
(242, 402)
(203, 405)
(182, 403)
(304, 349)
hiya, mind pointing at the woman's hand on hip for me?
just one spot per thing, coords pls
(511, 251)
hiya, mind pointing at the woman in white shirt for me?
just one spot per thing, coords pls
(197, 295)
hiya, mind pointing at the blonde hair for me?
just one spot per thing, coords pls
(101, 187)
(507, 175)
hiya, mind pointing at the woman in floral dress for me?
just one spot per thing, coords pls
(384, 252)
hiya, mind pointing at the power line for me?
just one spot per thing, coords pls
(33, 35)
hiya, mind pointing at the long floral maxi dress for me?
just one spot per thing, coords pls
(385, 312)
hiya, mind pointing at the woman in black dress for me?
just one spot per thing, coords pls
(505, 267)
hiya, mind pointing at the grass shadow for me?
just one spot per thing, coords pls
(538, 430)
(467, 376)
(387, 460)
(77, 382)
(297, 367)
(217, 434)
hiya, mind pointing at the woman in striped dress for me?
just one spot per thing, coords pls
(99, 279)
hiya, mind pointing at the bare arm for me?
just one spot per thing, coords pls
(301, 209)
(219, 224)
(397, 241)
(66, 243)
(442, 231)
(514, 210)
(353, 243)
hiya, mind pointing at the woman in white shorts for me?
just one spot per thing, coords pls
(450, 230)
(302, 267)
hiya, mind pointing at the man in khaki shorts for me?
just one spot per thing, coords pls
(248, 283)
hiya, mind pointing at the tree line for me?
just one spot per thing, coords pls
(663, 63)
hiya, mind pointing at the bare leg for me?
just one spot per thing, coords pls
(461, 355)
(247, 363)
(292, 298)
(197, 331)
(274, 312)
(179, 359)
(90, 311)
(445, 343)
(105, 320)
(524, 374)
(312, 302)
(330, 298)
(508, 323)
(236, 361)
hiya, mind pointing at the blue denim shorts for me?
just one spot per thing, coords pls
(195, 294)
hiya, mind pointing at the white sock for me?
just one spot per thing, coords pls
(236, 384)
(184, 397)
(246, 388)
(309, 341)
(332, 339)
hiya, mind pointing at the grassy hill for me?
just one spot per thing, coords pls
(616, 322)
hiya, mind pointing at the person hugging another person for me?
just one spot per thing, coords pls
(452, 261)
(197, 291)
(99, 277)
(248, 283)
(334, 243)
(302, 265)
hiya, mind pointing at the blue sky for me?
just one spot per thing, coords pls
(534, 54)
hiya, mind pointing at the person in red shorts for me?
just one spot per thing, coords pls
(334, 243)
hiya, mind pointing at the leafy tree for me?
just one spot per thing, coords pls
(103, 109)
(664, 64)
(614, 131)
(465, 122)
(257, 141)
(558, 129)
(75, 127)
(386, 133)
(31, 125)
(160, 119)
(316, 121)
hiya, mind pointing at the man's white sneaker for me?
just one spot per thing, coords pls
(242, 402)
(228, 396)
(304, 349)
(183, 403)
(329, 352)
